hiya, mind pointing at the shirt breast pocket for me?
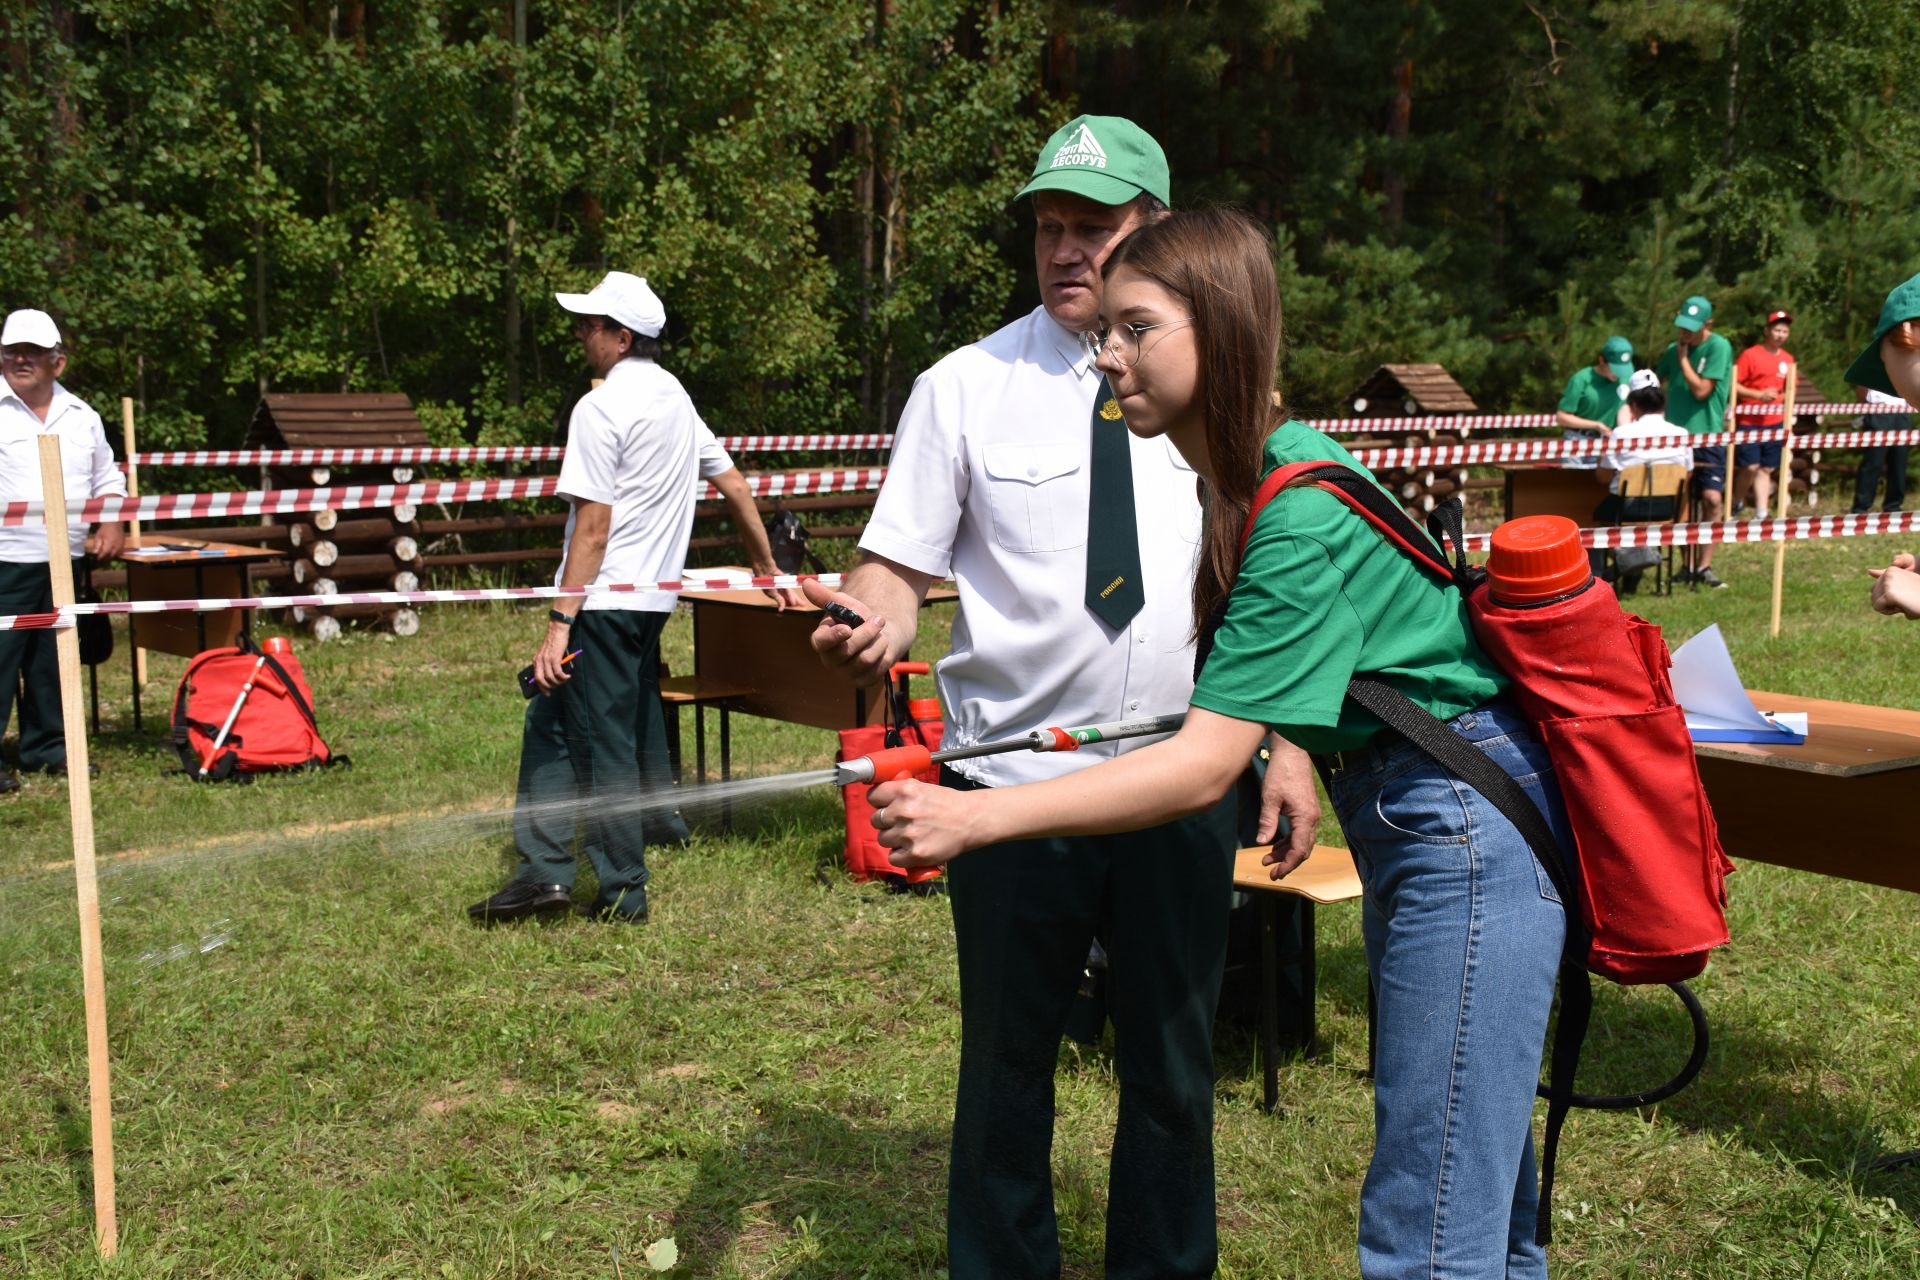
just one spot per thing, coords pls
(1038, 496)
(76, 464)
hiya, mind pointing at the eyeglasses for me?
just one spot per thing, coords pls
(1122, 341)
(29, 354)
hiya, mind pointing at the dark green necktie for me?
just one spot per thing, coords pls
(1114, 590)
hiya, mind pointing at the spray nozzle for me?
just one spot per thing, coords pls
(884, 766)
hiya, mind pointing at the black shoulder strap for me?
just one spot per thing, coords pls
(1426, 731)
(293, 691)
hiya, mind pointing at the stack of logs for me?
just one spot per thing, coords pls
(328, 554)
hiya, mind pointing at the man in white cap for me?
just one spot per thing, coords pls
(1073, 545)
(632, 473)
(33, 404)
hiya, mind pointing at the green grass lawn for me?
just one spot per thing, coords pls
(321, 1069)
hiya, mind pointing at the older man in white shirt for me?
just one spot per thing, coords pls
(34, 404)
(1072, 544)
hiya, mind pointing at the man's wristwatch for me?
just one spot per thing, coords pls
(564, 619)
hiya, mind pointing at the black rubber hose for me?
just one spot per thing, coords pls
(1630, 1101)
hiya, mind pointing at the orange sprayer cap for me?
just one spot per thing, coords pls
(278, 645)
(924, 708)
(1536, 558)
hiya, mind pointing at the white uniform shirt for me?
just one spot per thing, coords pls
(988, 481)
(633, 443)
(714, 461)
(1625, 450)
(88, 459)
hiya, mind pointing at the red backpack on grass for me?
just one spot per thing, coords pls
(262, 702)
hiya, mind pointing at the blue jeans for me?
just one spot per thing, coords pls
(1463, 932)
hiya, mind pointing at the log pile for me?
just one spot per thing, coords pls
(328, 553)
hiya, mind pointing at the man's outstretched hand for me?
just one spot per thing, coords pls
(862, 654)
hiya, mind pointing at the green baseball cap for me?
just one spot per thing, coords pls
(1618, 354)
(1695, 313)
(1107, 159)
(1868, 369)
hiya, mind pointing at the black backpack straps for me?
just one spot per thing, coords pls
(1448, 525)
(1426, 731)
(293, 690)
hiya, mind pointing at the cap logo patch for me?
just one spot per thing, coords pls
(1081, 149)
(1693, 311)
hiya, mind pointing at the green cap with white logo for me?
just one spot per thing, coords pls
(1694, 313)
(1868, 369)
(1107, 159)
(1618, 355)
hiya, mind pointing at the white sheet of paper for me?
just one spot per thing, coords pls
(1708, 688)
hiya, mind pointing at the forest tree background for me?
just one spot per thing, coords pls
(221, 198)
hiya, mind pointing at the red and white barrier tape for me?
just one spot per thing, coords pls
(471, 453)
(201, 506)
(1794, 529)
(1519, 421)
(64, 617)
(1494, 451)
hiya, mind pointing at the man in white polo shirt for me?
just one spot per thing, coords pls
(1072, 545)
(33, 404)
(631, 473)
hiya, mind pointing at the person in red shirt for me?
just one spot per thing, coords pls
(1761, 375)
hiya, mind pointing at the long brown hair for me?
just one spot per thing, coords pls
(1220, 264)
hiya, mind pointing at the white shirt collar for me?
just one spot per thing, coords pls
(60, 396)
(1068, 344)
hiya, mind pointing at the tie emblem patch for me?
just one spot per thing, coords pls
(1110, 410)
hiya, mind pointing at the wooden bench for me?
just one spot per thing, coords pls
(1326, 876)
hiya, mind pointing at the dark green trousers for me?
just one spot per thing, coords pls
(28, 588)
(591, 761)
(1024, 913)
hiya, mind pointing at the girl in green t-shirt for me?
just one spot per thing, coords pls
(1463, 929)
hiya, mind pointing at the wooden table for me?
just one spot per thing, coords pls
(741, 638)
(1790, 805)
(164, 568)
(1549, 489)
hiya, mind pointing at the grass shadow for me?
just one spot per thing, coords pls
(74, 1130)
(825, 1197)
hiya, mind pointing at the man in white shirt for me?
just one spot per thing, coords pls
(1638, 444)
(33, 404)
(1013, 472)
(631, 471)
(546, 809)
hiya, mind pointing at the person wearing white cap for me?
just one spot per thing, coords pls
(33, 404)
(1633, 445)
(631, 472)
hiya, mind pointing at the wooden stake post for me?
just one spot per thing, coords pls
(133, 526)
(1780, 500)
(80, 809)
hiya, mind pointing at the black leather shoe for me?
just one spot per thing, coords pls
(518, 901)
(8, 784)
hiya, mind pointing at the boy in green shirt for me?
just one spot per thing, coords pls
(1594, 402)
(1697, 368)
